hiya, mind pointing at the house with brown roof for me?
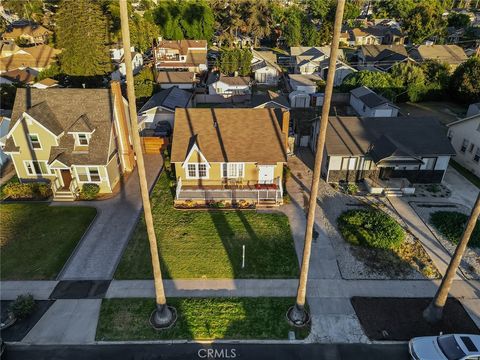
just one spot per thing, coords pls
(228, 86)
(453, 55)
(230, 154)
(17, 76)
(33, 34)
(380, 57)
(184, 55)
(374, 35)
(70, 137)
(185, 80)
(265, 67)
(35, 58)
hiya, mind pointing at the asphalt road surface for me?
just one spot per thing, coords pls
(209, 351)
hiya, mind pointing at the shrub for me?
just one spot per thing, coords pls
(352, 188)
(23, 306)
(451, 225)
(34, 190)
(371, 228)
(89, 191)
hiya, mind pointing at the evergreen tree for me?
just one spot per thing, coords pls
(380, 82)
(144, 83)
(82, 36)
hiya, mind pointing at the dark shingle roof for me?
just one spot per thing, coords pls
(369, 97)
(410, 135)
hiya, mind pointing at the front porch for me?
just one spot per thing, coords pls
(389, 187)
(257, 193)
(65, 187)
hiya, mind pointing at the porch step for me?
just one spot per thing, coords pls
(393, 192)
(266, 204)
(63, 196)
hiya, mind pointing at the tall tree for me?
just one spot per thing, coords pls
(412, 78)
(423, 22)
(82, 36)
(465, 81)
(25, 9)
(259, 22)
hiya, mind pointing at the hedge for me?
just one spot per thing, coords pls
(451, 225)
(34, 190)
(89, 191)
(370, 228)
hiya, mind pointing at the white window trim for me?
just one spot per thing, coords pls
(87, 172)
(30, 142)
(229, 175)
(77, 138)
(30, 162)
(197, 171)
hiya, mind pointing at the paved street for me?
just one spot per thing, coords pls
(223, 351)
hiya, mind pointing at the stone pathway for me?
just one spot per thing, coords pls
(98, 253)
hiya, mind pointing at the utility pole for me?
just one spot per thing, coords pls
(163, 316)
(434, 312)
(297, 314)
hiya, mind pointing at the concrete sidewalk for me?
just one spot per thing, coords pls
(98, 253)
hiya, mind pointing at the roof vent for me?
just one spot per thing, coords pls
(215, 123)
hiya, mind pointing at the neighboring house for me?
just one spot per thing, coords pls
(473, 109)
(453, 55)
(186, 55)
(369, 104)
(69, 137)
(8, 48)
(46, 83)
(33, 34)
(230, 154)
(270, 99)
(299, 99)
(228, 86)
(118, 59)
(161, 107)
(381, 57)
(304, 82)
(389, 154)
(182, 79)
(4, 126)
(315, 60)
(375, 35)
(265, 67)
(36, 58)
(464, 134)
(18, 77)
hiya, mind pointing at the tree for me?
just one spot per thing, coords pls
(25, 9)
(412, 78)
(438, 76)
(458, 20)
(144, 83)
(235, 60)
(259, 22)
(465, 81)
(394, 8)
(82, 36)
(143, 32)
(424, 21)
(292, 30)
(378, 81)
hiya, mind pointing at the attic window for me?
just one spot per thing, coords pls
(34, 141)
(82, 139)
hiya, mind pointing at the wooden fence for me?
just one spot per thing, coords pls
(153, 145)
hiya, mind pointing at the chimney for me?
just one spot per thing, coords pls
(121, 128)
(285, 126)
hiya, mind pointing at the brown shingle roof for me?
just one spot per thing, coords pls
(182, 45)
(175, 77)
(241, 135)
(40, 56)
(59, 109)
(235, 80)
(451, 54)
(20, 76)
(31, 30)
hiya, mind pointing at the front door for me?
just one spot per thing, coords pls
(266, 174)
(385, 173)
(66, 178)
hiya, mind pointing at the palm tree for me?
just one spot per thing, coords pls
(163, 316)
(434, 312)
(297, 314)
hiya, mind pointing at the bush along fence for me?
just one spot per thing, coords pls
(27, 191)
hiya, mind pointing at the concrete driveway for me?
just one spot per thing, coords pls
(463, 191)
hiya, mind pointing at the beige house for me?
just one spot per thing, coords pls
(33, 34)
(34, 58)
(70, 137)
(230, 154)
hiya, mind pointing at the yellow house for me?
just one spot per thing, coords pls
(230, 154)
(69, 137)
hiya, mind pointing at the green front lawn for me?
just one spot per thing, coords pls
(37, 239)
(208, 244)
(451, 224)
(467, 174)
(198, 319)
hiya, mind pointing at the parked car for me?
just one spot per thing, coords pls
(445, 347)
(163, 129)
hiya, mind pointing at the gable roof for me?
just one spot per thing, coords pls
(182, 46)
(270, 97)
(171, 98)
(48, 82)
(59, 109)
(265, 58)
(33, 30)
(451, 54)
(475, 117)
(240, 135)
(354, 136)
(175, 77)
(369, 97)
(304, 79)
(40, 56)
(234, 80)
(19, 76)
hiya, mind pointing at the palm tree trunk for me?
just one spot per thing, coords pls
(297, 314)
(434, 312)
(163, 316)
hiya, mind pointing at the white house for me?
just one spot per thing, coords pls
(473, 109)
(299, 99)
(161, 107)
(304, 82)
(185, 80)
(4, 126)
(464, 134)
(265, 67)
(368, 103)
(228, 86)
(117, 56)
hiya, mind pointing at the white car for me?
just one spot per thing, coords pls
(445, 347)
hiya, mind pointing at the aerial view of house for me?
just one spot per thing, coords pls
(186, 55)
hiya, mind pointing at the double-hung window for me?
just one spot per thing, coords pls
(88, 174)
(37, 167)
(349, 163)
(83, 139)
(197, 171)
(464, 145)
(233, 170)
(34, 141)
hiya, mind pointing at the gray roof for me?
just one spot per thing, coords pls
(269, 99)
(65, 109)
(171, 99)
(383, 137)
(369, 97)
